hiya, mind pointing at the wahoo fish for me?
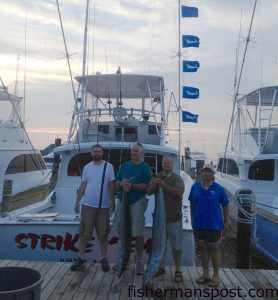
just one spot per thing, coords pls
(124, 235)
(158, 238)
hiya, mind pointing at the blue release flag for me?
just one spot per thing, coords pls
(190, 41)
(190, 92)
(190, 65)
(189, 12)
(189, 117)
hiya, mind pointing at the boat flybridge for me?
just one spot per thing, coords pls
(114, 110)
(252, 163)
(24, 178)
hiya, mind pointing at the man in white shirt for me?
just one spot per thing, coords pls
(98, 196)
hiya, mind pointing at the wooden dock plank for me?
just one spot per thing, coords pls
(81, 291)
(74, 282)
(4, 263)
(91, 283)
(244, 282)
(93, 287)
(63, 283)
(274, 274)
(52, 279)
(260, 283)
(128, 278)
(229, 285)
(237, 284)
(105, 286)
(189, 282)
(269, 277)
(172, 289)
(212, 292)
(115, 291)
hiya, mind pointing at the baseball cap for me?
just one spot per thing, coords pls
(208, 166)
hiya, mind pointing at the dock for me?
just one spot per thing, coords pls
(91, 283)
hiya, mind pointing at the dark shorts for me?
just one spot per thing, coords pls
(209, 236)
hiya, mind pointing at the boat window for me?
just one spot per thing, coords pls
(129, 134)
(154, 161)
(232, 168)
(103, 128)
(220, 167)
(152, 129)
(115, 156)
(26, 163)
(31, 163)
(16, 165)
(262, 170)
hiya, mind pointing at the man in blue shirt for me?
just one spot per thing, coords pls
(133, 179)
(209, 215)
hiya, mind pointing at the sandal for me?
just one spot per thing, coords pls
(202, 280)
(214, 283)
(178, 276)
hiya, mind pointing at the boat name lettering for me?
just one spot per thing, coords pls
(47, 241)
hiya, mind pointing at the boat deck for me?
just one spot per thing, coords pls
(91, 283)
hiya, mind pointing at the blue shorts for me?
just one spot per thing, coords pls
(209, 236)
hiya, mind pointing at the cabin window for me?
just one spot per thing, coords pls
(129, 134)
(103, 129)
(115, 156)
(220, 167)
(16, 165)
(230, 167)
(262, 170)
(154, 161)
(152, 129)
(25, 163)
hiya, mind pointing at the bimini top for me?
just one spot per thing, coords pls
(4, 96)
(266, 94)
(123, 85)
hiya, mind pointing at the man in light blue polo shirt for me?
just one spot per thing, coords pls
(209, 214)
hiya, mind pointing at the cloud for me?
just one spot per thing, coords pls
(141, 36)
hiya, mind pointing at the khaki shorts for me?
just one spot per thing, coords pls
(137, 212)
(174, 234)
(91, 218)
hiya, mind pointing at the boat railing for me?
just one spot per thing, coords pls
(120, 113)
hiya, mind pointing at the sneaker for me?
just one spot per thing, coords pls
(78, 264)
(104, 265)
(139, 267)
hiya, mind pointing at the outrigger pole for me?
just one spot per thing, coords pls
(83, 84)
(236, 92)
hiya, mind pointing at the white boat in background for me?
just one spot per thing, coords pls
(49, 160)
(193, 162)
(252, 163)
(116, 110)
(24, 178)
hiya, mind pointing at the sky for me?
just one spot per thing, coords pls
(142, 37)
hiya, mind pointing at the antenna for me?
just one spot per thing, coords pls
(93, 43)
(16, 73)
(24, 85)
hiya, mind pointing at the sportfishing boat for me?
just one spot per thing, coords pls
(252, 163)
(193, 162)
(114, 111)
(24, 178)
